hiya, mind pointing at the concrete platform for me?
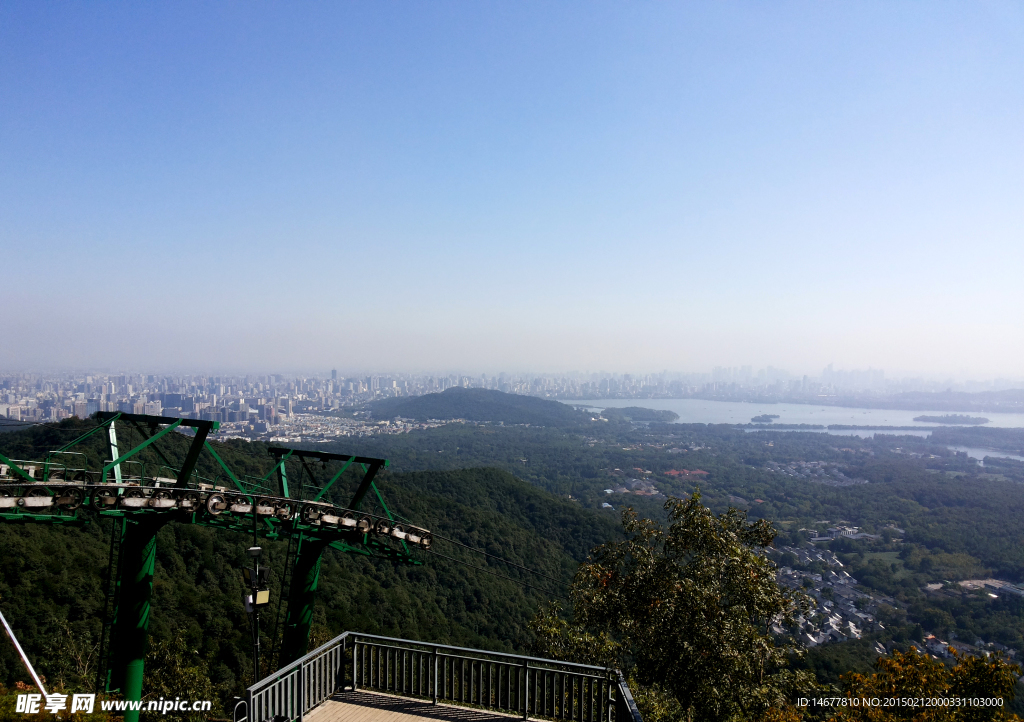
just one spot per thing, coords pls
(349, 706)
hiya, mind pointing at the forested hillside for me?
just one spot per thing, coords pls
(1011, 440)
(956, 519)
(481, 405)
(534, 494)
(51, 578)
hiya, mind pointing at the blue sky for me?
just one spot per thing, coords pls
(513, 185)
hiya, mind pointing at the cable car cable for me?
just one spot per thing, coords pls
(502, 576)
(481, 551)
(506, 561)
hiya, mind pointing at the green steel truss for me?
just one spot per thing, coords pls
(288, 503)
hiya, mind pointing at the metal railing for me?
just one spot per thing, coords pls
(503, 683)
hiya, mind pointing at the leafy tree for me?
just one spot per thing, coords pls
(687, 612)
(918, 676)
(176, 670)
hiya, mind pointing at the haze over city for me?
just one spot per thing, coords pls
(452, 187)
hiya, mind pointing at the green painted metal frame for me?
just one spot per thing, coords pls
(305, 581)
(227, 470)
(387, 511)
(369, 471)
(131, 622)
(151, 440)
(156, 447)
(86, 435)
(278, 464)
(15, 467)
(135, 576)
(334, 478)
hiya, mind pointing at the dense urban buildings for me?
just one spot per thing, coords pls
(325, 406)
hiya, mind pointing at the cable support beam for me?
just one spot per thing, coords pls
(207, 504)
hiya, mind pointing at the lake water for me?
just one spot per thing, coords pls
(976, 453)
(699, 411)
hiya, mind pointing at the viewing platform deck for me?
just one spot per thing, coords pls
(358, 706)
(368, 678)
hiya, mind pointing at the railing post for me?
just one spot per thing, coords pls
(302, 690)
(625, 707)
(433, 655)
(579, 693)
(526, 689)
(355, 666)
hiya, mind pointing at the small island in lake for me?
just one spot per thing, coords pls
(764, 418)
(959, 419)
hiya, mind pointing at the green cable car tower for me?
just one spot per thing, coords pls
(300, 500)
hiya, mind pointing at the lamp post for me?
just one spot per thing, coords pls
(257, 598)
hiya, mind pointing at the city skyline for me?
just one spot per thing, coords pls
(745, 374)
(283, 407)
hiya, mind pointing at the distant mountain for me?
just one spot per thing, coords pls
(480, 405)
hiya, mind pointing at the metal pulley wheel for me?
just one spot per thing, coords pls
(216, 504)
(265, 507)
(104, 499)
(162, 499)
(133, 499)
(188, 500)
(70, 499)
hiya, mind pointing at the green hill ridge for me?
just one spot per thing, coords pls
(481, 405)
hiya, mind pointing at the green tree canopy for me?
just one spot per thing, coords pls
(687, 613)
(977, 683)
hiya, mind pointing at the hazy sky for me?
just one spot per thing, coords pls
(490, 186)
